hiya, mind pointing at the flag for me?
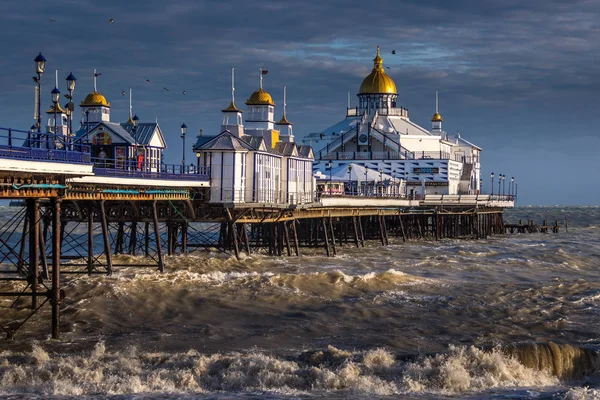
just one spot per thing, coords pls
(97, 73)
(264, 72)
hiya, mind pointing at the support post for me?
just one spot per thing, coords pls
(324, 223)
(157, 237)
(296, 246)
(34, 233)
(106, 239)
(55, 301)
(90, 260)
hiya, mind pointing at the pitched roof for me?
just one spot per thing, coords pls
(288, 149)
(114, 127)
(306, 151)
(143, 133)
(201, 140)
(226, 141)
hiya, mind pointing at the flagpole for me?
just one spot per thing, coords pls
(94, 79)
(261, 74)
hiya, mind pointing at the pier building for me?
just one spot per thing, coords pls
(251, 190)
(259, 162)
(378, 134)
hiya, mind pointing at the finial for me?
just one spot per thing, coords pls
(436, 101)
(130, 104)
(377, 61)
(284, 103)
(233, 84)
(261, 74)
(56, 79)
(95, 79)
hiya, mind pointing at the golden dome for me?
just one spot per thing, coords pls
(95, 99)
(283, 121)
(436, 117)
(59, 109)
(260, 97)
(232, 107)
(377, 81)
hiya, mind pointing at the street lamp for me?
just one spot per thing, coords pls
(512, 186)
(55, 99)
(480, 185)
(70, 106)
(135, 120)
(394, 181)
(366, 172)
(499, 182)
(183, 132)
(40, 65)
(381, 180)
(503, 184)
(492, 175)
(330, 166)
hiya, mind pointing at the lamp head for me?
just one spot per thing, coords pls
(40, 64)
(135, 120)
(71, 82)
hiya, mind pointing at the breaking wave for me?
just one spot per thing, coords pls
(461, 370)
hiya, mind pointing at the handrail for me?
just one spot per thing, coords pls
(41, 146)
(148, 170)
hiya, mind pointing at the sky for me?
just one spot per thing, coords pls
(518, 78)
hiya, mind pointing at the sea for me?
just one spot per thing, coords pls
(513, 316)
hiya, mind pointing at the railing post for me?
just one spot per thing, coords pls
(10, 137)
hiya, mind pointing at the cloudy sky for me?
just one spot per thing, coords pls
(519, 78)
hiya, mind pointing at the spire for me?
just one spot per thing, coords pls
(95, 79)
(261, 74)
(56, 84)
(130, 106)
(284, 103)
(437, 118)
(233, 85)
(377, 61)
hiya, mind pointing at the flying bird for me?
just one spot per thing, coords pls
(111, 21)
(387, 67)
(184, 92)
(123, 93)
(147, 80)
(166, 89)
(393, 51)
(52, 20)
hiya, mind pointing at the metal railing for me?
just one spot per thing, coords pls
(147, 170)
(384, 155)
(42, 146)
(466, 159)
(263, 196)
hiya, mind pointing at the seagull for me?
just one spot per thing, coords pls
(111, 21)
(387, 67)
(166, 89)
(393, 51)
(52, 20)
(184, 92)
(123, 93)
(147, 80)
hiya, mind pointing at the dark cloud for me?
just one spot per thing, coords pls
(509, 72)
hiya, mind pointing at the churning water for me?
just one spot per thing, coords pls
(514, 316)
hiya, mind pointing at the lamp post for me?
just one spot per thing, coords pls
(499, 182)
(70, 106)
(330, 166)
(55, 99)
(503, 184)
(350, 177)
(366, 172)
(40, 66)
(480, 185)
(135, 121)
(394, 181)
(381, 180)
(30, 135)
(512, 186)
(492, 175)
(183, 132)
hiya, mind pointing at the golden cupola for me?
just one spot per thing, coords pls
(95, 99)
(436, 117)
(260, 98)
(377, 81)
